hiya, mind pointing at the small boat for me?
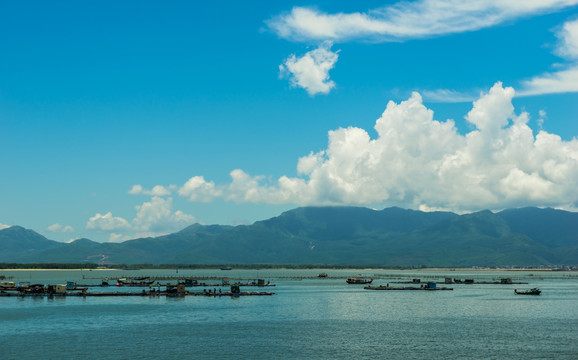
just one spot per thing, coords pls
(8, 285)
(226, 268)
(534, 291)
(359, 281)
(322, 275)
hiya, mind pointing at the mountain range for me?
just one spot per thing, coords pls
(333, 236)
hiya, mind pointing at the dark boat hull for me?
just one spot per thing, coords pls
(359, 281)
(528, 292)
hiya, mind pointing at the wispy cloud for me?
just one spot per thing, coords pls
(420, 19)
(568, 35)
(557, 82)
(562, 81)
(419, 162)
(447, 96)
(2, 226)
(311, 71)
(407, 20)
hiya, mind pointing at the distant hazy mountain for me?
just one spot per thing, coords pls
(333, 235)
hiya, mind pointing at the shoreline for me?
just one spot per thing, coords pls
(59, 269)
(312, 268)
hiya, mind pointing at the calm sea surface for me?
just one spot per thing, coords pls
(307, 318)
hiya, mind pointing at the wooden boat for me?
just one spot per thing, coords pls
(359, 281)
(534, 291)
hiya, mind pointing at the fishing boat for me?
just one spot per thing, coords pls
(357, 280)
(534, 291)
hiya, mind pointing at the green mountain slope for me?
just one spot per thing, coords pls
(482, 239)
(549, 226)
(333, 235)
(17, 242)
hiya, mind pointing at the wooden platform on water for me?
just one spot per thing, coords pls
(146, 293)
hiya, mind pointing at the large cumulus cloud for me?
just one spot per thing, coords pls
(416, 161)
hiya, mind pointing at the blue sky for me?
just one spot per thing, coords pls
(121, 120)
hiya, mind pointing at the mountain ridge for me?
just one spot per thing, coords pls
(334, 236)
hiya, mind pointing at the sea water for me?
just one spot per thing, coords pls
(307, 318)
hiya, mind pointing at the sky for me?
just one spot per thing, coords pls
(121, 120)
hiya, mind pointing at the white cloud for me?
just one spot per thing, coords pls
(552, 83)
(418, 162)
(197, 189)
(107, 222)
(562, 81)
(57, 228)
(116, 238)
(157, 216)
(407, 20)
(153, 218)
(157, 190)
(311, 71)
(540, 120)
(493, 112)
(447, 96)
(2, 226)
(136, 190)
(568, 35)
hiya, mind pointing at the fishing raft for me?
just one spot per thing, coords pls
(179, 290)
(430, 286)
